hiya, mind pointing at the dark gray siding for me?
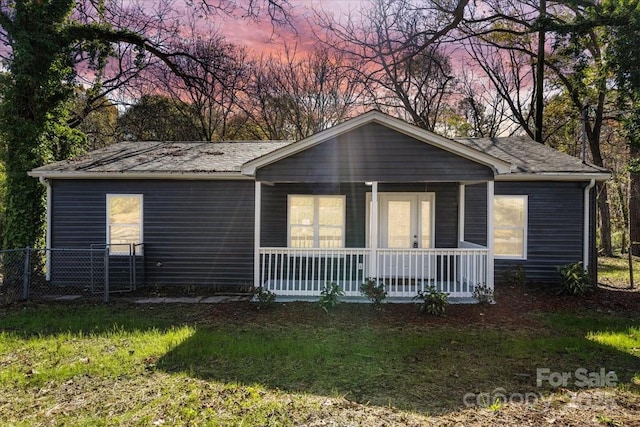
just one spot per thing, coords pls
(446, 226)
(373, 153)
(274, 210)
(201, 232)
(554, 230)
(475, 215)
(195, 232)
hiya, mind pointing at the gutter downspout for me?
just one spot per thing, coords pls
(44, 181)
(586, 226)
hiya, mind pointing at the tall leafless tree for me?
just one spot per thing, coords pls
(217, 72)
(485, 111)
(294, 97)
(408, 70)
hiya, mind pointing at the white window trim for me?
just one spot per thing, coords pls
(524, 228)
(316, 216)
(108, 224)
(422, 196)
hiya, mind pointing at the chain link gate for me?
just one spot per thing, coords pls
(59, 274)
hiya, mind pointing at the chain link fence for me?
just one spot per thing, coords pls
(47, 274)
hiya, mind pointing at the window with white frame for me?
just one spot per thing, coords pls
(124, 222)
(316, 221)
(510, 226)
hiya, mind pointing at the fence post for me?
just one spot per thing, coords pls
(106, 274)
(631, 284)
(26, 273)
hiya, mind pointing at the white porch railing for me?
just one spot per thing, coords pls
(305, 272)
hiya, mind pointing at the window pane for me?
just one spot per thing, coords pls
(316, 221)
(301, 210)
(330, 237)
(399, 225)
(124, 234)
(509, 211)
(509, 242)
(124, 210)
(301, 237)
(425, 212)
(331, 211)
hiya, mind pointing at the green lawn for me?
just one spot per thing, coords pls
(123, 364)
(614, 271)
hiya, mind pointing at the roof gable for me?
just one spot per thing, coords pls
(373, 152)
(414, 132)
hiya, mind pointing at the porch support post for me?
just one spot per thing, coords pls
(373, 229)
(490, 254)
(461, 213)
(256, 235)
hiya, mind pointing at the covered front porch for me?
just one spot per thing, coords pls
(374, 198)
(428, 249)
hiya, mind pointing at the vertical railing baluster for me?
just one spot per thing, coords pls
(262, 282)
(344, 269)
(455, 273)
(269, 278)
(288, 276)
(313, 269)
(332, 267)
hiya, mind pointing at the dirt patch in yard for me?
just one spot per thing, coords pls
(516, 306)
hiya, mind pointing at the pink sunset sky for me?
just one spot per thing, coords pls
(264, 37)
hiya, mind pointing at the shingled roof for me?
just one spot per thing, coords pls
(511, 158)
(146, 157)
(530, 157)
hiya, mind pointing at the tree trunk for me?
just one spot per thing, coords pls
(622, 206)
(605, 219)
(634, 201)
(593, 136)
(539, 113)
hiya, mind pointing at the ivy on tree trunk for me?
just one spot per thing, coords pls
(45, 41)
(32, 115)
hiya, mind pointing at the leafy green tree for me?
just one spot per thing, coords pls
(624, 56)
(575, 66)
(158, 118)
(96, 118)
(3, 192)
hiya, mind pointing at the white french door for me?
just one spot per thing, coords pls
(406, 221)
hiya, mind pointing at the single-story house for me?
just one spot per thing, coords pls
(373, 197)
